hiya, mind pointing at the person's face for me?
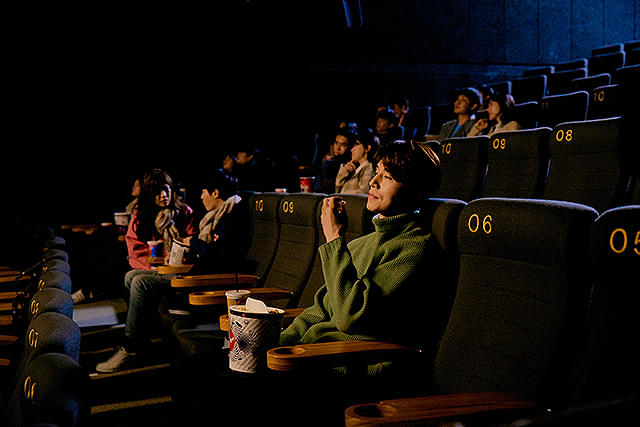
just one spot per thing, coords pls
(163, 197)
(494, 110)
(359, 152)
(135, 188)
(398, 110)
(384, 192)
(209, 200)
(340, 145)
(242, 157)
(227, 163)
(462, 105)
(382, 125)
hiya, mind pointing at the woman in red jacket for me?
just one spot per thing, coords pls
(159, 215)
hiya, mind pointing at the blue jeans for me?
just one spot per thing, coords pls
(145, 289)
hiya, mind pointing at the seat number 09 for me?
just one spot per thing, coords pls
(619, 244)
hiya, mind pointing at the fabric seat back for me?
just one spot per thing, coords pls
(612, 368)
(567, 107)
(521, 299)
(297, 244)
(518, 164)
(264, 230)
(464, 167)
(589, 164)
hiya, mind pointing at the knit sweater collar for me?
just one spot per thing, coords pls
(394, 222)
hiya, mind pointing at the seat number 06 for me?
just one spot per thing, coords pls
(474, 223)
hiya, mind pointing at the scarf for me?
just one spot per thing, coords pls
(167, 228)
(212, 218)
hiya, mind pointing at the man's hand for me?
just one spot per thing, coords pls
(333, 217)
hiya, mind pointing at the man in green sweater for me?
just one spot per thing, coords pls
(372, 283)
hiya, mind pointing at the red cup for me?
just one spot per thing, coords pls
(306, 182)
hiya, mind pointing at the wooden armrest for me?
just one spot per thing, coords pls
(6, 320)
(8, 340)
(219, 298)
(155, 260)
(8, 296)
(8, 273)
(217, 280)
(432, 408)
(291, 358)
(174, 269)
(6, 306)
(11, 279)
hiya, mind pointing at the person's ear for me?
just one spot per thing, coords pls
(216, 194)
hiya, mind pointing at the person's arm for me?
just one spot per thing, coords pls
(137, 250)
(365, 178)
(333, 218)
(478, 127)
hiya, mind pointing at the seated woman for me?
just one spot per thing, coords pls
(214, 249)
(353, 177)
(500, 117)
(158, 215)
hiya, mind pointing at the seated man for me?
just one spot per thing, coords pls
(215, 249)
(369, 280)
(465, 106)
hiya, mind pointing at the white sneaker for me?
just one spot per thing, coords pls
(120, 361)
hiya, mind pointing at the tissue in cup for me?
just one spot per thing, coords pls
(236, 297)
(251, 335)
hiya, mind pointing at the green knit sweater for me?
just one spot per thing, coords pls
(371, 285)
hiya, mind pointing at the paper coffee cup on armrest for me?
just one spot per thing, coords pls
(255, 328)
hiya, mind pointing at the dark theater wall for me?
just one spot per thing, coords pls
(95, 94)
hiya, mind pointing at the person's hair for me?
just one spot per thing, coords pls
(399, 100)
(225, 184)
(415, 166)
(506, 103)
(349, 134)
(367, 138)
(246, 147)
(388, 116)
(153, 183)
(474, 96)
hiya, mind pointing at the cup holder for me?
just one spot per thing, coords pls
(375, 410)
(287, 350)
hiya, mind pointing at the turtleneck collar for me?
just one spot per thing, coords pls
(394, 222)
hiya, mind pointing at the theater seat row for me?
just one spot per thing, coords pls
(589, 162)
(42, 379)
(288, 258)
(543, 290)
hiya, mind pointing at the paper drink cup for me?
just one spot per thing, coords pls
(305, 184)
(251, 335)
(236, 297)
(156, 248)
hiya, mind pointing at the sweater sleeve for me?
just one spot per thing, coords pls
(357, 302)
(342, 177)
(137, 250)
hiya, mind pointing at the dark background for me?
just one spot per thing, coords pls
(94, 94)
